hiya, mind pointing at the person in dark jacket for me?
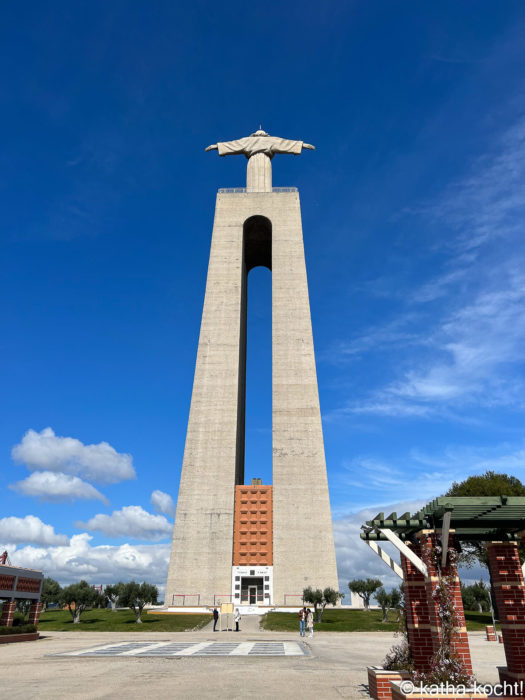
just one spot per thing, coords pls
(215, 618)
(302, 622)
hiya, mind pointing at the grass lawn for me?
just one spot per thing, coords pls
(119, 621)
(334, 620)
(356, 621)
(477, 621)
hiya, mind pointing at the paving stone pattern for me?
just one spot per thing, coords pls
(192, 649)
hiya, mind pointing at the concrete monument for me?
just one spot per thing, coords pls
(253, 544)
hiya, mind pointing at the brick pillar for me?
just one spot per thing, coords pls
(34, 613)
(509, 587)
(423, 621)
(460, 643)
(417, 613)
(8, 610)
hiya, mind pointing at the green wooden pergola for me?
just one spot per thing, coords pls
(486, 519)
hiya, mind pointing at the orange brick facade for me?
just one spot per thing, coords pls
(253, 526)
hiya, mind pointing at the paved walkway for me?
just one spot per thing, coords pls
(250, 624)
(335, 667)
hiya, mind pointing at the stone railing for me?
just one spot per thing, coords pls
(242, 190)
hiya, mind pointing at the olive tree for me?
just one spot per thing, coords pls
(136, 595)
(320, 599)
(51, 592)
(112, 593)
(365, 589)
(388, 601)
(78, 597)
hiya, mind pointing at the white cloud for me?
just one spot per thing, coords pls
(420, 474)
(130, 521)
(440, 285)
(354, 558)
(472, 355)
(29, 529)
(368, 477)
(98, 565)
(162, 503)
(387, 336)
(49, 452)
(55, 486)
(490, 202)
(462, 461)
(474, 347)
(458, 339)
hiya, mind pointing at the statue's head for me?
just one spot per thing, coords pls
(260, 132)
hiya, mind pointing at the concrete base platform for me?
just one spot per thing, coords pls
(243, 609)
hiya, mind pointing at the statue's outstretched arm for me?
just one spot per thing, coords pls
(306, 145)
(213, 147)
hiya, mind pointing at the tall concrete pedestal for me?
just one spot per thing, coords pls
(251, 229)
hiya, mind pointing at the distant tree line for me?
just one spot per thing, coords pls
(476, 596)
(80, 596)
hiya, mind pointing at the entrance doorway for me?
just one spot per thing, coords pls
(252, 590)
(252, 595)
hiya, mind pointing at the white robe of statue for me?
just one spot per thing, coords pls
(259, 148)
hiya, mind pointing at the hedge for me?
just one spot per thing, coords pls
(19, 629)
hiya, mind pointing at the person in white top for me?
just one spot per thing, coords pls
(237, 618)
(310, 622)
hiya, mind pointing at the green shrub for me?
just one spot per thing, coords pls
(19, 619)
(19, 629)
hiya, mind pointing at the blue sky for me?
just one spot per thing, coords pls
(412, 209)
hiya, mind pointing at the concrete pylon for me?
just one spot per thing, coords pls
(251, 229)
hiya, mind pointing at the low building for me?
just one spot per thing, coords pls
(20, 584)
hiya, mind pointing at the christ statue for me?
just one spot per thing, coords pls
(259, 148)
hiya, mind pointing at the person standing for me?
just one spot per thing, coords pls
(215, 618)
(302, 622)
(310, 622)
(237, 618)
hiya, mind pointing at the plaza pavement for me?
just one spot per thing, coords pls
(335, 668)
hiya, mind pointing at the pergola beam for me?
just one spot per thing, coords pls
(444, 537)
(386, 558)
(406, 551)
(462, 534)
(398, 522)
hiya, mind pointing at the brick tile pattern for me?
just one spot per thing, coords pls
(423, 621)
(7, 583)
(8, 610)
(253, 526)
(34, 613)
(509, 587)
(379, 682)
(28, 585)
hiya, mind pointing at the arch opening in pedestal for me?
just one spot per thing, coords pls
(257, 252)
